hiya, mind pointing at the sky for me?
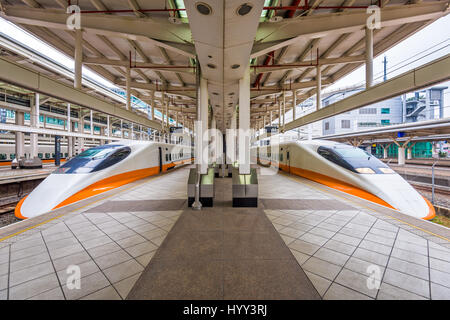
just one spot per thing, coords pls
(424, 46)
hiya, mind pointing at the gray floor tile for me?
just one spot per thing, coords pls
(88, 285)
(108, 293)
(28, 262)
(340, 247)
(74, 259)
(441, 278)
(388, 292)
(331, 256)
(104, 249)
(124, 286)
(86, 268)
(99, 241)
(30, 273)
(27, 252)
(321, 284)
(4, 282)
(377, 247)
(304, 247)
(361, 266)
(34, 287)
(338, 292)
(123, 270)
(314, 239)
(439, 292)
(300, 257)
(346, 239)
(410, 256)
(358, 282)
(440, 265)
(53, 294)
(141, 248)
(112, 259)
(65, 251)
(371, 256)
(322, 268)
(407, 282)
(440, 254)
(409, 268)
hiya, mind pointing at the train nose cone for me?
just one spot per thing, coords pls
(49, 193)
(401, 195)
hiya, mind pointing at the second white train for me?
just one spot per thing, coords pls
(348, 169)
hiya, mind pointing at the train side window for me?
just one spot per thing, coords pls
(167, 157)
(53, 155)
(281, 157)
(325, 153)
(47, 155)
(40, 155)
(12, 156)
(3, 156)
(66, 154)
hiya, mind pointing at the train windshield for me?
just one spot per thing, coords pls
(354, 159)
(95, 159)
(352, 152)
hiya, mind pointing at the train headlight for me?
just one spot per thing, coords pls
(364, 170)
(386, 170)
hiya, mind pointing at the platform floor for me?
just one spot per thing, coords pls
(143, 243)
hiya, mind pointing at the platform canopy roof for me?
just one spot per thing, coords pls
(280, 41)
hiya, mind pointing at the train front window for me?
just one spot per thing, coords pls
(95, 159)
(354, 159)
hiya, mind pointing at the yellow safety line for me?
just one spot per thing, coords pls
(339, 196)
(57, 217)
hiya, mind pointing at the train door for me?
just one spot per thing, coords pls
(160, 159)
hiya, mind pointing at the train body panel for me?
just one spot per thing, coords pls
(100, 169)
(382, 185)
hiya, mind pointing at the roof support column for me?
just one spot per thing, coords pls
(284, 109)
(108, 126)
(78, 58)
(294, 104)
(121, 128)
(153, 105)
(128, 88)
(91, 121)
(69, 129)
(319, 88)
(279, 115)
(202, 127)
(20, 142)
(34, 120)
(369, 58)
(231, 140)
(132, 131)
(244, 123)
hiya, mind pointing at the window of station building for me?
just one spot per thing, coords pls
(345, 124)
(368, 111)
(385, 110)
(327, 126)
(385, 122)
(367, 124)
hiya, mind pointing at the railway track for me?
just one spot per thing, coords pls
(7, 214)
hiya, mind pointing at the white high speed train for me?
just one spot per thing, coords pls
(348, 169)
(100, 169)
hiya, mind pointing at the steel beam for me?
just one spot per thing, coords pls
(22, 77)
(427, 75)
